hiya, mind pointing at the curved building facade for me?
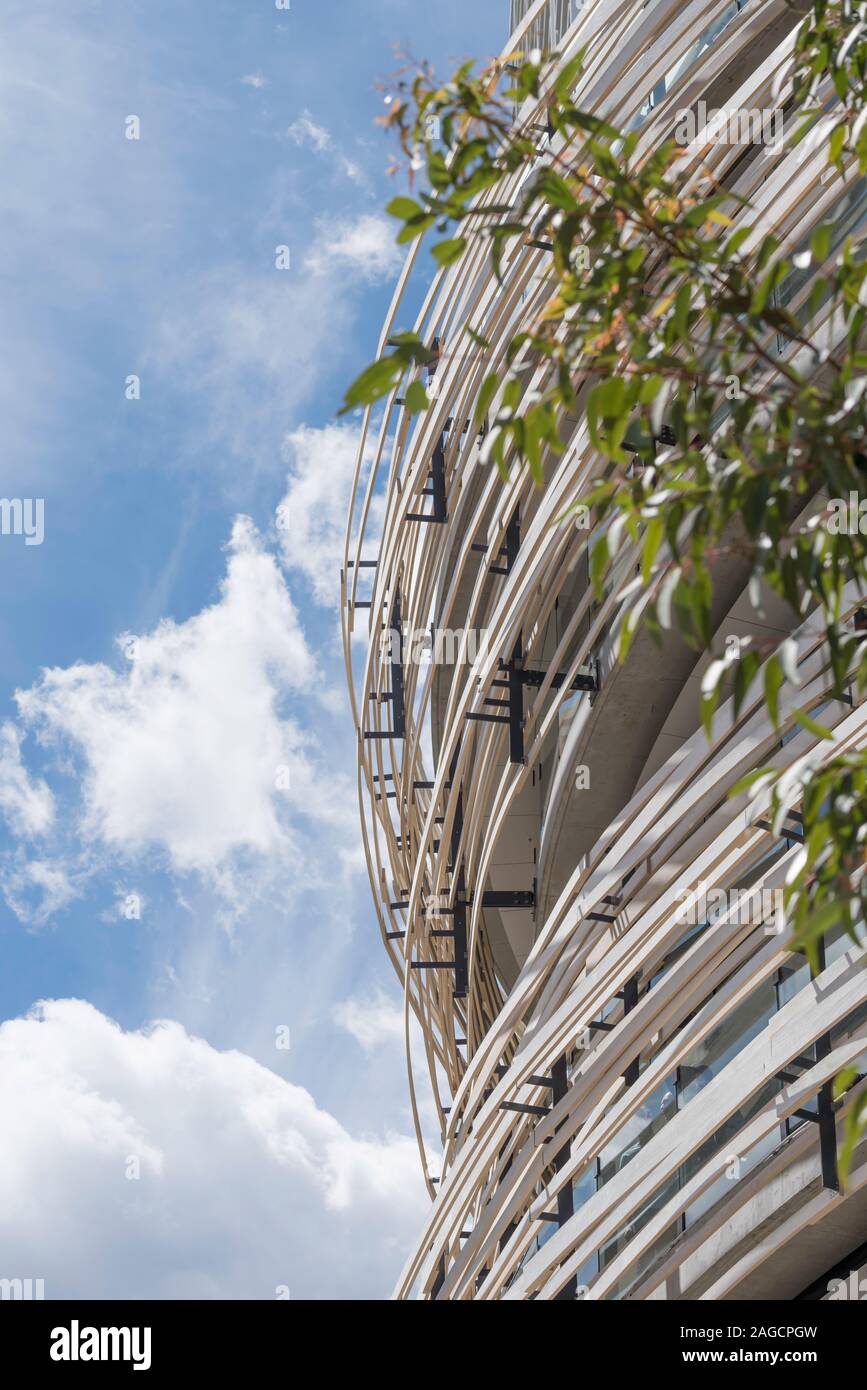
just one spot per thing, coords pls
(631, 1073)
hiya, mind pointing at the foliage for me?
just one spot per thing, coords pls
(670, 316)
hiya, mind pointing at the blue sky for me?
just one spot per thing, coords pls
(169, 649)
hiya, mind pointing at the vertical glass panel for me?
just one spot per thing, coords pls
(656, 1111)
(725, 1041)
(726, 1138)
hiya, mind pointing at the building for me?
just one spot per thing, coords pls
(631, 1072)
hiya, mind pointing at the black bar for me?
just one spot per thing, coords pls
(525, 1109)
(516, 706)
(535, 679)
(459, 911)
(508, 898)
(825, 1104)
(565, 1200)
(630, 999)
(397, 698)
(785, 833)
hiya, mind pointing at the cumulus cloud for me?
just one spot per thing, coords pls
(244, 1184)
(255, 79)
(183, 749)
(312, 514)
(364, 244)
(26, 804)
(373, 1022)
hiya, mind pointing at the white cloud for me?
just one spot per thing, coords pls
(27, 804)
(252, 349)
(372, 1021)
(245, 1183)
(366, 244)
(255, 79)
(182, 749)
(306, 131)
(313, 511)
(37, 889)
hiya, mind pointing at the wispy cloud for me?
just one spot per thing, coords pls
(249, 349)
(374, 1022)
(25, 802)
(307, 131)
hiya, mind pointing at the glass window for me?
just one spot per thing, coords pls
(657, 1110)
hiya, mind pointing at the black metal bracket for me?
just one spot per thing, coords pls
(825, 1107)
(825, 1102)
(396, 696)
(786, 832)
(558, 1082)
(630, 1000)
(520, 1109)
(436, 490)
(509, 551)
(517, 677)
(506, 898)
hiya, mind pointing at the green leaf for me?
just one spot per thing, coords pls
(568, 76)
(836, 143)
(708, 708)
(653, 537)
(447, 252)
(486, 395)
(744, 784)
(374, 382)
(404, 209)
(774, 680)
(817, 730)
(416, 399)
(820, 242)
(599, 565)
